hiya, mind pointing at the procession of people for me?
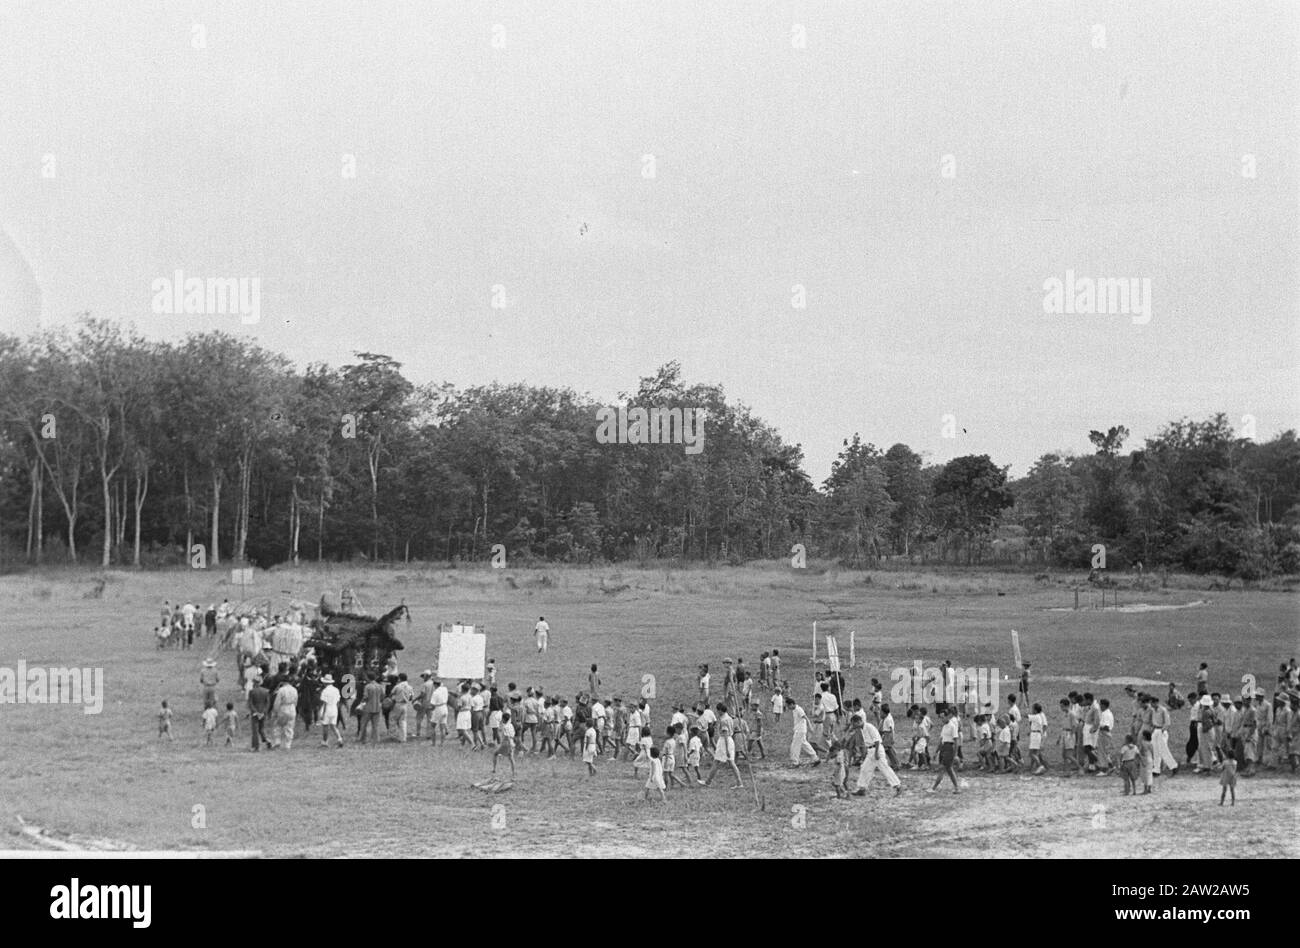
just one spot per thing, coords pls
(735, 720)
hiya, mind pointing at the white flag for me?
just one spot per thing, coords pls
(833, 653)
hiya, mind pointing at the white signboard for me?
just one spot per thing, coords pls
(240, 577)
(462, 655)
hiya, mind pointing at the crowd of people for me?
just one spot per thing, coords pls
(734, 719)
(179, 624)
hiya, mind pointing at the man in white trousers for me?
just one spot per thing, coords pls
(284, 715)
(875, 759)
(799, 742)
(1160, 718)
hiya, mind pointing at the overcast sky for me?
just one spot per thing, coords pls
(1107, 139)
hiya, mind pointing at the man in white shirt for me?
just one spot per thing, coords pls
(799, 742)
(543, 632)
(1105, 730)
(598, 722)
(830, 705)
(329, 712)
(438, 712)
(948, 738)
(875, 759)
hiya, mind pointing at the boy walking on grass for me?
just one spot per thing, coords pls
(507, 745)
(231, 718)
(1128, 764)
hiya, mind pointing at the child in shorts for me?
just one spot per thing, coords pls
(507, 745)
(209, 725)
(694, 749)
(1005, 763)
(165, 721)
(985, 735)
(1129, 757)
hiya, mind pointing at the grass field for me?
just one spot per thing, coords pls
(106, 776)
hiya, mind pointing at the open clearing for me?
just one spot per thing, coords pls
(106, 777)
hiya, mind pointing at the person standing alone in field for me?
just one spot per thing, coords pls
(543, 632)
(165, 722)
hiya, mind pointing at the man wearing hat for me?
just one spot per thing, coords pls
(209, 679)
(329, 711)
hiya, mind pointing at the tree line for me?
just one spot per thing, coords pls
(119, 450)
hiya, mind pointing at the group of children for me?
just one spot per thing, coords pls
(210, 718)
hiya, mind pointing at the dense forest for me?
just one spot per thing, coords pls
(119, 450)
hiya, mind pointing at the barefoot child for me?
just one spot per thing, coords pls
(1129, 756)
(1037, 726)
(756, 736)
(507, 745)
(644, 744)
(209, 725)
(694, 749)
(839, 769)
(656, 779)
(985, 735)
(1005, 763)
(231, 718)
(165, 721)
(1228, 780)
